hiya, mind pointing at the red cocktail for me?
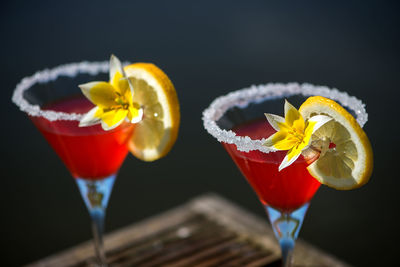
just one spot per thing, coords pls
(284, 190)
(88, 152)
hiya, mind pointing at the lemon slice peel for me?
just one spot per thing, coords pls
(155, 135)
(348, 164)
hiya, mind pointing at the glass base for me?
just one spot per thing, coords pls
(286, 226)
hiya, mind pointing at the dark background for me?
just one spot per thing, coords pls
(208, 48)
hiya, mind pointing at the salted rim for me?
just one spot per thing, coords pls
(258, 93)
(47, 75)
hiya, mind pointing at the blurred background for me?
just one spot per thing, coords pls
(207, 48)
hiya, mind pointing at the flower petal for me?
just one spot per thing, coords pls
(280, 141)
(101, 94)
(299, 125)
(290, 157)
(131, 92)
(273, 138)
(118, 83)
(276, 121)
(313, 124)
(122, 85)
(113, 118)
(316, 122)
(116, 70)
(90, 118)
(291, 114)
(286, 144)
(125, 88)
(135, 115)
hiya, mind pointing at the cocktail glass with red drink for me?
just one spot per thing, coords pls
(237, 121)
(93, 127)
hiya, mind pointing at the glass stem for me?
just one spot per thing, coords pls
(97, 216)
(96, 194)
(287, 246)
(286, 226)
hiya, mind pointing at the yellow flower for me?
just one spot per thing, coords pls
(293, 133)
(113, 100)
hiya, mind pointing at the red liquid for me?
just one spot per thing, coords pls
(286, 190)
(88, 152)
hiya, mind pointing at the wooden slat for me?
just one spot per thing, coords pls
(207, 231)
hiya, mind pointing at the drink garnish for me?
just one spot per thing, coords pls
(113, 100)
(330, 140)
(293, 132)
(157, 132)
(140, 93)
(345, 158)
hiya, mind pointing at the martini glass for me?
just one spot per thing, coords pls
(55, 104)
(237, 121)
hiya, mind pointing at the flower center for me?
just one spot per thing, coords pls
(121, 101)
(298, 135)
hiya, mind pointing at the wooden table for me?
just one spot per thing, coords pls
(206, 231)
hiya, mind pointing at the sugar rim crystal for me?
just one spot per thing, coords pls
(258, 93)
(47, 75)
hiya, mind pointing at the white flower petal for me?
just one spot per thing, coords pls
(269, 142)
(288, 107)
(107, 128)
(274, 119)
(131, 87)
(285, 162)
(139, 117)
(89, 119)
(320, 120)
(86, 87)
(115, 66)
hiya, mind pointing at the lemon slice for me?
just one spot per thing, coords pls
(345, 161)
(156, 133)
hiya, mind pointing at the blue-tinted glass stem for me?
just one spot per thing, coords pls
(97, 217)
(96, 194)
(286, 226)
